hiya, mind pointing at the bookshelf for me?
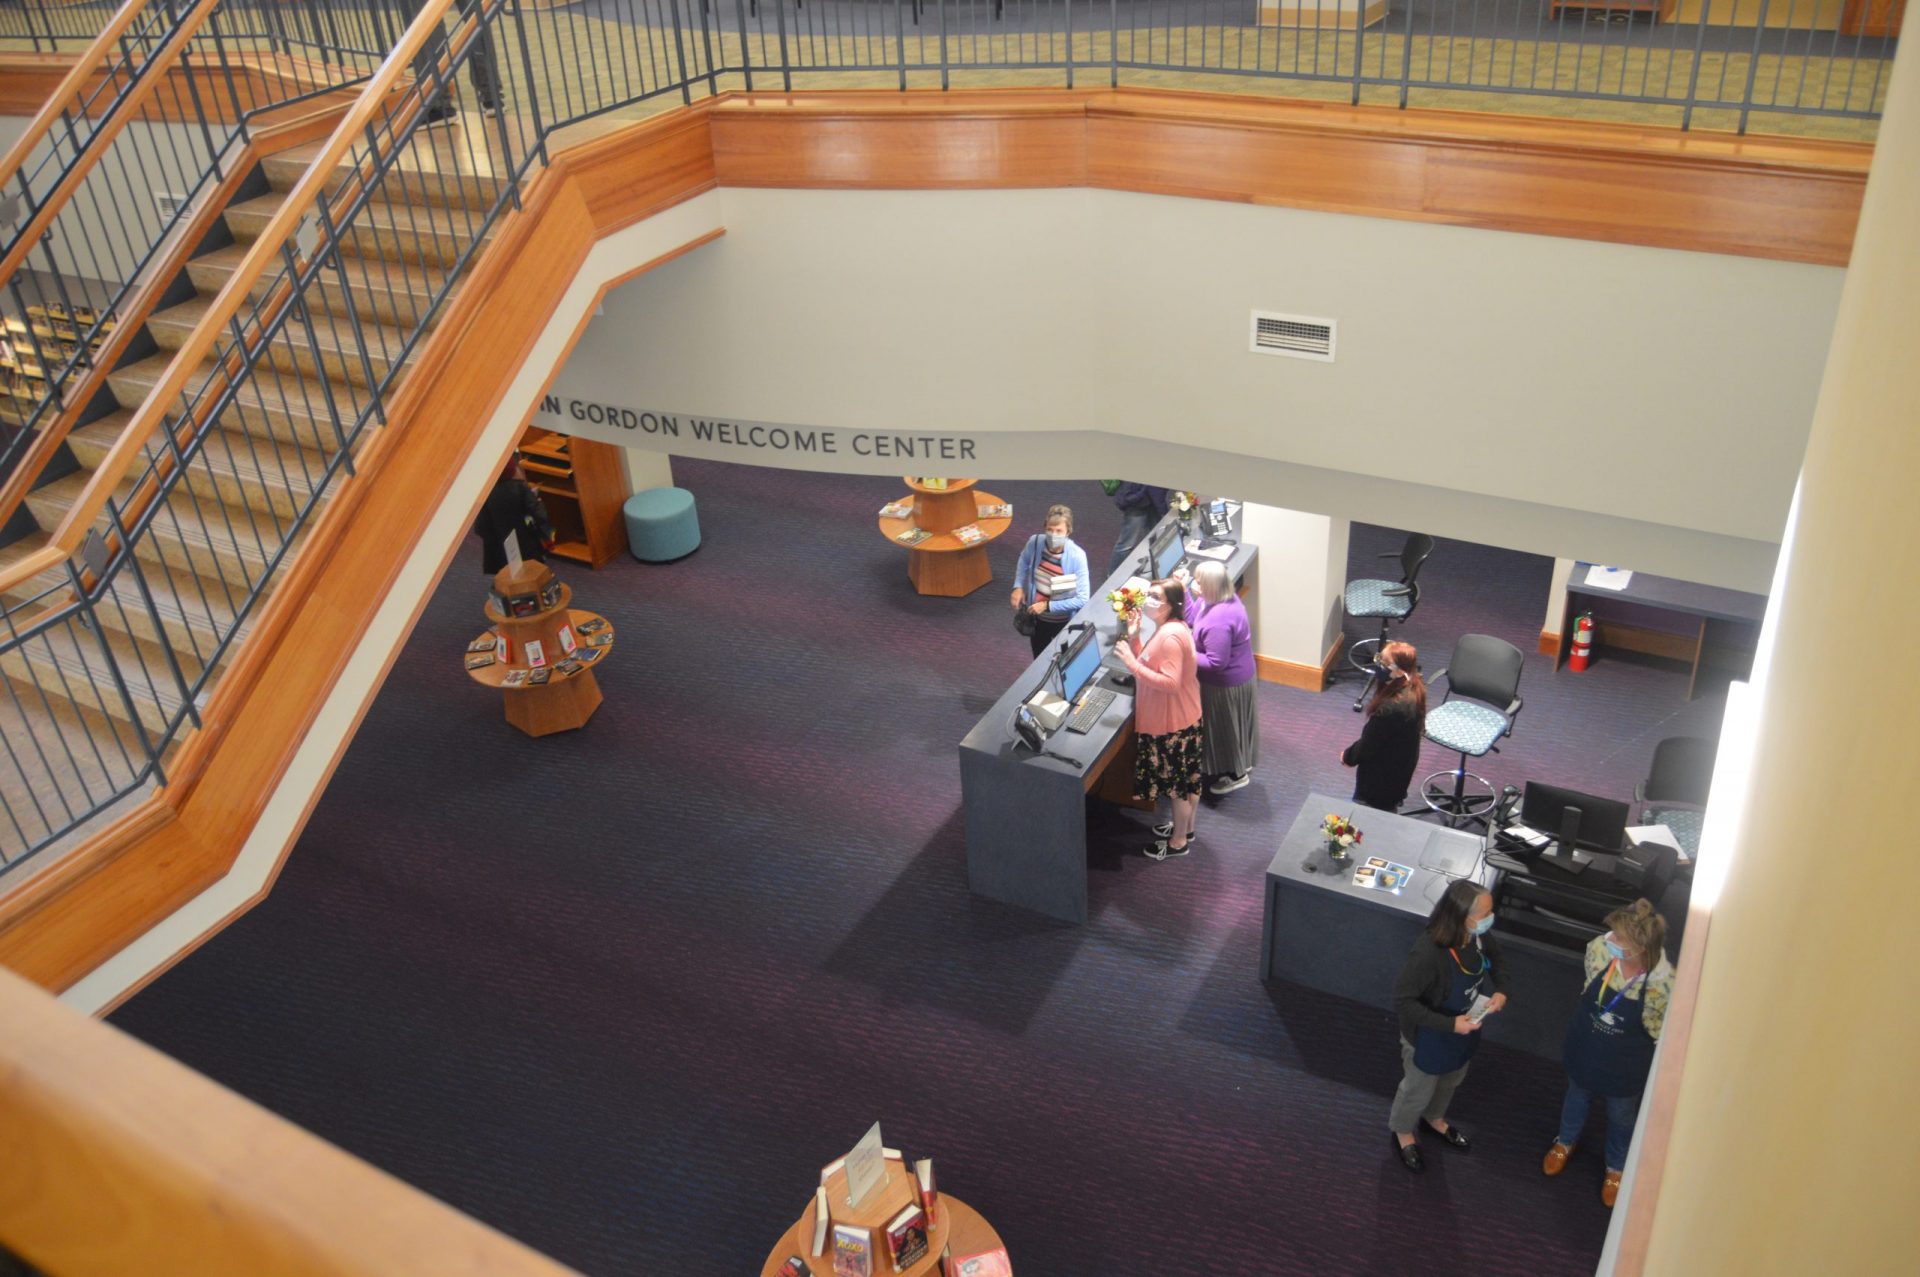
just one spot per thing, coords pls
(943, 564)
(580, 484)
(34, 347)
(568, 698)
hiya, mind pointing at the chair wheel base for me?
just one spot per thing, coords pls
(1361, 654)
(1454, 800)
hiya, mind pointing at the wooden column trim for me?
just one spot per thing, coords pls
(1308, 678)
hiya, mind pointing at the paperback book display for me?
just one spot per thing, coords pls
(537, 650)
(969, 534)
(875, 1213)
(994, 510)
(897, 510)
(913, 536)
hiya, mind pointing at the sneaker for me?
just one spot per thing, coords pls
(439, 117)
(489, 109)
(1163, 849)
(1227, 784)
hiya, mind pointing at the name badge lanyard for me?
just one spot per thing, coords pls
(1606, 1010)
(1477, 973)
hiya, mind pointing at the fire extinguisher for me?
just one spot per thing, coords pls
(1582, 642)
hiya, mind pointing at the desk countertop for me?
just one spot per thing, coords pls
(1714, 602)
(1397, 838)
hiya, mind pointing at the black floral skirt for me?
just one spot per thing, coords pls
(1168, 764)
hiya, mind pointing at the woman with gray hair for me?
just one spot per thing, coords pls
(1223, 653)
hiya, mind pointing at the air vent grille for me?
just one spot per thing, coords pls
(1295, 336)
(169, 204)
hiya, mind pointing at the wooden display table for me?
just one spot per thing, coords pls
(959, 1227)
(943, 565)
(568, 698)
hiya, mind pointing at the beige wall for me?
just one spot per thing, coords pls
(1793, 1146)
(1565, 397)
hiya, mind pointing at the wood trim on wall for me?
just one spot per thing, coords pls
(27, 80)
(1791, 199)
(1308, 678)
(1549, 644)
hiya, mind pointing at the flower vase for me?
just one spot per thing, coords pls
(1338, 853)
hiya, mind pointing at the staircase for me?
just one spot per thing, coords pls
(215, 542)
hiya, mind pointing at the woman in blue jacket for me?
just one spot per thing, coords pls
(1050, 582)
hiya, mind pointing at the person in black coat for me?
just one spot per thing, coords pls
(1389, 746)
(512, 507)
(1452, 966)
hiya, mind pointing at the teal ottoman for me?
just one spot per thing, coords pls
(662, 524)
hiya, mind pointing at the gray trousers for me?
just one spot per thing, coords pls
(1421, 1094)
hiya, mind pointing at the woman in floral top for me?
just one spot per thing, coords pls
(1610, 1040)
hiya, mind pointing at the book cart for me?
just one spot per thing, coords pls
(941, 563)
(543, 651)
(956, 1227)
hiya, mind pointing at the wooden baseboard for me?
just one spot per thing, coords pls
(1549, 644)
(1308, 678)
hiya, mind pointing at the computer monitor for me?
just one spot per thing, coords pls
(1165, 551)
(1573, 819)
(1078, 663)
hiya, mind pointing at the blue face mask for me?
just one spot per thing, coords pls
(1056, 541)
(1483, 926)
(1615, 951)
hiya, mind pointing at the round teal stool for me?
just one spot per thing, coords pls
(662, 524)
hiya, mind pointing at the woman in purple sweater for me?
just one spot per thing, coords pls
(1223, 651)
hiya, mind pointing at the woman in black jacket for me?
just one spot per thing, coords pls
(513, 508)
(1453, 967)
(1389, 746)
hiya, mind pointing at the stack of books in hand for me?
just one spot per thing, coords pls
(1055, 585)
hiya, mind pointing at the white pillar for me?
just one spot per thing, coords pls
(643, 468)
(1297, 585)
(1556, 605)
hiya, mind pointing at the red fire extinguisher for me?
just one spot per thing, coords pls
(1582, 642)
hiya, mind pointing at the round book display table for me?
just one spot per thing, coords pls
(943, 564)
(959, 1229)
(567, 697)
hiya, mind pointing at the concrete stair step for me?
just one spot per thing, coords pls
(232, 467)
(395, 293)
(272, 403)
(452, 167)
(332, 349)
(418, 233)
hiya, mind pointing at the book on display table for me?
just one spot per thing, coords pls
(852, 1251)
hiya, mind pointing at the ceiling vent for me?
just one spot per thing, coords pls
(1296, 336)
(170, 205)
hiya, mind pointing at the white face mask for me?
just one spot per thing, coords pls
(1056, 540)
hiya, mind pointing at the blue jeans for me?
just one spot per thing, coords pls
(1134, 526)
(1621, 1112)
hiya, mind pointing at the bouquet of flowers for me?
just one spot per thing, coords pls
(1183, 503)
(1126, 600)
(1340, 832)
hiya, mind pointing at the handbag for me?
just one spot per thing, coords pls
(1024, 621)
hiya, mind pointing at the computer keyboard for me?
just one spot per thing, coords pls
(1097, 703)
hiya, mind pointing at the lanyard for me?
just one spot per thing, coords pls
(1477, 971)
(1619, 993)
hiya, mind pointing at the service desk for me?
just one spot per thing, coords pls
(1704, 604)
(1026, 814)
(1323, 931)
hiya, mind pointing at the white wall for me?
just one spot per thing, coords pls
(1636, 406)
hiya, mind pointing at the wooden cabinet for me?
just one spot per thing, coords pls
(579, 482)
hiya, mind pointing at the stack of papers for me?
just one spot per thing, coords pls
(1608, 578)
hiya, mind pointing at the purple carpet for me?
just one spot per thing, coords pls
(621, 993)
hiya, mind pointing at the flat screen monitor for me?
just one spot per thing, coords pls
(1166, 551)
(1600, 825)
(1078, 663)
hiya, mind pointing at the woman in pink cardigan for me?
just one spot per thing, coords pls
(1166, 712)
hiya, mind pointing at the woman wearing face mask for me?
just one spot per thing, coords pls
(1453, 963)
(1610, 1040)
(1388, 750)
(1050, 581)
(1166, 712)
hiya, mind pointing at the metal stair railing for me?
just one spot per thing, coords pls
(95, 196)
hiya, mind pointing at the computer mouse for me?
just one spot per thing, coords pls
(1120, 679)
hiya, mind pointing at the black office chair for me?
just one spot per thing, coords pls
(1482, 700)
(1674, 793)
(1389, 601)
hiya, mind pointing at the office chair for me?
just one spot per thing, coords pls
(1483, 699)
(1674, 793)
(1389, 601)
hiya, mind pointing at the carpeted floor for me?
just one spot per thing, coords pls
(620, 993)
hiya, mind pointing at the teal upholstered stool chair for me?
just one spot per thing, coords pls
(662, 524)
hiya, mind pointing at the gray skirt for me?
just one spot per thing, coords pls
(1230, 723)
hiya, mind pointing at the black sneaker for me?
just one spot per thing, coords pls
(1164, 850)
(439, 117)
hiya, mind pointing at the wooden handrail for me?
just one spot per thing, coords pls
(61, 101)
(155, 70)
(261, 255)
(121, 1160)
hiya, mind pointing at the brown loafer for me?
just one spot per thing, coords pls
(1610, 1189)
(1556, 1159)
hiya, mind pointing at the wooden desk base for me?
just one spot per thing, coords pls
(553, 707)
